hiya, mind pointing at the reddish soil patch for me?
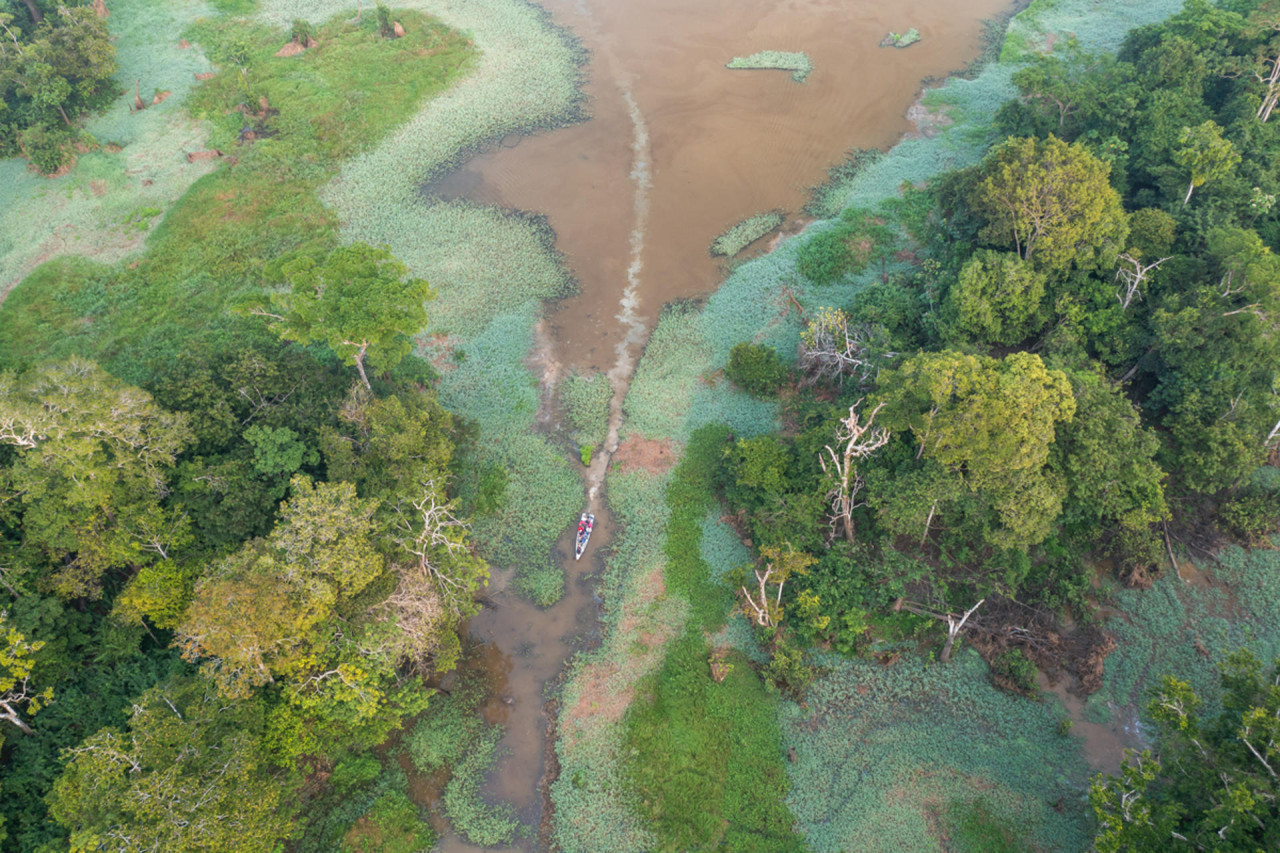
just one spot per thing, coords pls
(656, 457)
(160, 97)
(293, 48)
(193, 156)
(600, 695)
(205, 75)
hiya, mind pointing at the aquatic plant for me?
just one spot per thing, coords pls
(883, 754)
(797, 63)
(1187, 629)
(493, 388)
(527, 80)
(746, 232)
(593, 809)
(879, 748)
(472, 817)
(586, 399)
(906, 39)
(543, 585)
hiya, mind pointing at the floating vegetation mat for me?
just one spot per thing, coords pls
(104, 207)
(527, 79)
(797, 63)
(906, 39)
(1187, 629)
(745, 233)
(586, 399)
(593, 810)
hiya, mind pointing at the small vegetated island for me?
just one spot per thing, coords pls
(925, 451)
(797, 63)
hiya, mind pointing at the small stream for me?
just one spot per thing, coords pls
(678, 150)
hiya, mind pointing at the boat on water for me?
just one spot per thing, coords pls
(585, 524)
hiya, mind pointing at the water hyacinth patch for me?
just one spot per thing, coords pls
(1187, 629)
(493, 388)
(797, 63)
(528, 79)
(924, 738)
(586, 399)
(745, 233)
(879, 749)
(594, 811)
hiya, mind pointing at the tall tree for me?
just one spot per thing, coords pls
(1211, 783)
(997, 298)
(16, 664)
(1206, 154)
(1053, 201)
(359, 301)
(188, 775)
(991, 424)
(93, 458)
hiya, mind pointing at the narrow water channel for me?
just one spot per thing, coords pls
(678, 149)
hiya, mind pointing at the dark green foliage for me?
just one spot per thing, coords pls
(385, 28)
(393, 824)
(997, 298)
(365, 808)
(301, 30)
(708, 763)
(86, 699)
(1011, 670)
(49, 77)
(860, 238)
(1252, 515)
(706, 756)
(975, 828)
(755, 368)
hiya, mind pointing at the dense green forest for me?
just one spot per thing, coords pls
(235, 512)
(226, 574)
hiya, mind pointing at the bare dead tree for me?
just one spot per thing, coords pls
(1267, 69)
(762, 612)
(832, 348)
(954, 624)
(1133, 274)
(777, 569)
(427, 529)
(857, 440)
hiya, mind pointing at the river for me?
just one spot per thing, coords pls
(678, 149)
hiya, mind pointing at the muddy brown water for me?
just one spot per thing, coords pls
(678, 149)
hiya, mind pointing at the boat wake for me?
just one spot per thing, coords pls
(628, 314)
